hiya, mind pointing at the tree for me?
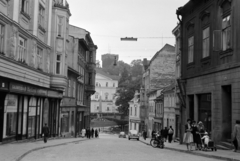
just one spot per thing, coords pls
(136, 67)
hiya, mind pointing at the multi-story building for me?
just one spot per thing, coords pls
(177, 33)
(134, 113)
(30, 86)
(81, 57)
(159, 73)
(210, 64)
(103, 101)
(171, 116)
(159, 112)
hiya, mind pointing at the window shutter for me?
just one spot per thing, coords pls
(217, 40)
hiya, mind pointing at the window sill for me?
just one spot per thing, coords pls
(226, 52)
(190, 65)
(41, 28)
(205, 59)
(26, 15)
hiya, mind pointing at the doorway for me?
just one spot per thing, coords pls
(2, 100)
(191, 107)
(226, 112)
(205, 111)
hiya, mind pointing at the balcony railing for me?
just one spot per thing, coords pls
(90, 88)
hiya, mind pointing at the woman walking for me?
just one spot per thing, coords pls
(188, 137)
(236, 135)
(196, 136)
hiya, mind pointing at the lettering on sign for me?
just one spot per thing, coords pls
(31, 89)
(42, 92)
(3, 84)
(18, 87)
(11, 102)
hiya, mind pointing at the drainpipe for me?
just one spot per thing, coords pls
(181, 49)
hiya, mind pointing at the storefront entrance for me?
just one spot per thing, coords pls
(205, 112)
(226, 112)
(2, 99)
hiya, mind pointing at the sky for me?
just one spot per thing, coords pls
(151, 21)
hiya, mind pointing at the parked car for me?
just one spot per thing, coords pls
(122, 134)
(133, 134)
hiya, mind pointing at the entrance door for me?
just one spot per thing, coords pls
(2, 99)
(205, 112)
(191, 106)
(226, 112)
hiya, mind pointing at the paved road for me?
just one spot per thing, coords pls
(109, 148)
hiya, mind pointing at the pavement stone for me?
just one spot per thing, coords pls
(219, 154)
(16, 150)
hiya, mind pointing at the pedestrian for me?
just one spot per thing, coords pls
(236, 135)
(170, 134)
(153, 133)
(144, 134)
(92, 133)
(196, 135)
(88, 133)
(165, 134)
(96, 133)
(45, 132)
(188, 137)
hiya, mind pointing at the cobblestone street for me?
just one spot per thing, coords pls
(108, 148)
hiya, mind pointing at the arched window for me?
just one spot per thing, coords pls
(106, 84)
(106, 96)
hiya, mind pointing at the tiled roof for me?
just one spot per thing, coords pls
(100, 71)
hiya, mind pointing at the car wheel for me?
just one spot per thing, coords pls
(128, 138)
(137, 139)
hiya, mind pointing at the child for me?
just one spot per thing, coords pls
(205, 139)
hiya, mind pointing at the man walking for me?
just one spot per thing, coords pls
(92, 133)
(45, 132)
(170, 134)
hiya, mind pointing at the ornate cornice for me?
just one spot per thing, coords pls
(204, 14)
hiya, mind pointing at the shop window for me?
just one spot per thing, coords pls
(22, 49)
(31, 117)
(2, 30)
(190, 49)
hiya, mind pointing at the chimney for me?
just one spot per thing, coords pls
(145, 63)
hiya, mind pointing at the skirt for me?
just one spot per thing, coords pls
(188, 138)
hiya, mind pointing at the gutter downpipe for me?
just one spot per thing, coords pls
(181, 48)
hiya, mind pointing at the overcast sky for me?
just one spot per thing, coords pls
(151, 21)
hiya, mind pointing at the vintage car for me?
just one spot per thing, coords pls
(122, 134)
(133, 134)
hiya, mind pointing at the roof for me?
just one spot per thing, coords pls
(100, 71)
(169, 88)
(166, 47)
(189, 5)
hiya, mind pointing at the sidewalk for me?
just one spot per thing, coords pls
(17, 150)
(219, 154)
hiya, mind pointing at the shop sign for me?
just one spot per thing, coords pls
(11, 102)
(31, 89)
(42, 92)
(54, 94)
(135, 121)
(18, 87)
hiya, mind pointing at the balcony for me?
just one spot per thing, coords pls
(91, 66)
(59, 81)
(90, 89)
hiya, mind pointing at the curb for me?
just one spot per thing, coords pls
(28, 152)
(198, 154)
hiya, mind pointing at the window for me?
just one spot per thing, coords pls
(190, 49)
(58, 64)
(39, 58)
(48, 63)
(131, 111)
(69, 88)
(135, 111)
(96, 96)
(226, 32)
(41, 15)
(25, 6)
(113, 84)
(206, 42)
(106, 96)
(60, 26)
(90, 79)
(1, 38)
(106, 84)
(108, 109)
(21, 49)
(96, 84)
(74, 89)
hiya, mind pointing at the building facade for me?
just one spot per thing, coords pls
(159, 72)
(159, 112)
(210, 64)
(134, 113)
(109, 60)
(103, 101)
(30, 89)
(81, 58)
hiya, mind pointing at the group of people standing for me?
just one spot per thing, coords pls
(166, 133)
(193, 134)
(90, 133)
